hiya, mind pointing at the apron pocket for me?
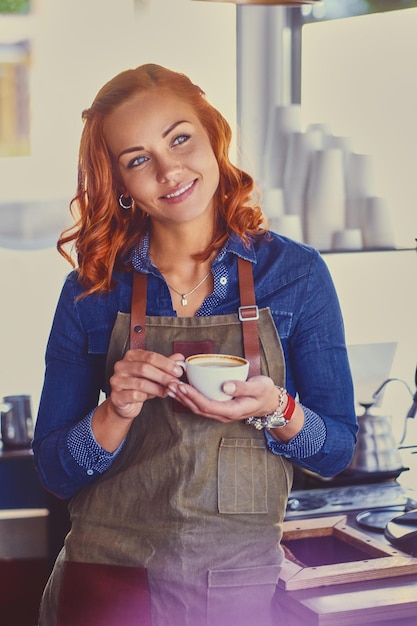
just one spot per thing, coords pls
(242, 596)
(95, 594)
(242, 476)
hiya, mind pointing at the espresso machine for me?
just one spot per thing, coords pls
(370, 481)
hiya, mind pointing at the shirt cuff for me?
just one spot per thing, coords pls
(306, 443)
(86, 451)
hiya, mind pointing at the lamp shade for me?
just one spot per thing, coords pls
(288, 3)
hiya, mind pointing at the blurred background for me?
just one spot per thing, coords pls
(348, 65)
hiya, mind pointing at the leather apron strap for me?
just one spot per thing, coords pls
(248, 314)
(138, 311)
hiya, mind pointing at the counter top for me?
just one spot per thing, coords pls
(385, 601)
(15, 453)
(372, 589)
(20, 484)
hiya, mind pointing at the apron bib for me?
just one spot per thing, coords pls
(198, 503)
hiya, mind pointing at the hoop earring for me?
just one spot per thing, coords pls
(125, 206)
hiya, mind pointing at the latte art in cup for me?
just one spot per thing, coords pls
(209, 372)
(217, 365)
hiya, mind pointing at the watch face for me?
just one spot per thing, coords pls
(276, 422)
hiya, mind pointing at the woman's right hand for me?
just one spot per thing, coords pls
(139, 376)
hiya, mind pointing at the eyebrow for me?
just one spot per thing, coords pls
(164, 134)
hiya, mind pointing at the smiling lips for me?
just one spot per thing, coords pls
(180, 192)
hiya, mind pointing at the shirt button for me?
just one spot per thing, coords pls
(223, 280)
(90, 472)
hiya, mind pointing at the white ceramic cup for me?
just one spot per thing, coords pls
(377, 225)
(208, 372)
(287, 225)
(273, 202)
(347, 239)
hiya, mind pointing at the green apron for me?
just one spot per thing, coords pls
(197, 502)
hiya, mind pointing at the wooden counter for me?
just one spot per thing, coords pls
(374, 582)
(386, 601)
(14, 453)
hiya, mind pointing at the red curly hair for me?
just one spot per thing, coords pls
(104, 234)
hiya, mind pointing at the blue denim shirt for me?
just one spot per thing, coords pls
(290, 278)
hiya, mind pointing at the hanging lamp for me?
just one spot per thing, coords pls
(289, 3)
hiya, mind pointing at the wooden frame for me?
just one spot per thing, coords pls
(371, 559)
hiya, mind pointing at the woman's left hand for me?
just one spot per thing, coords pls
(256, 396)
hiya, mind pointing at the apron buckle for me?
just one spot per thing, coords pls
(248, 313)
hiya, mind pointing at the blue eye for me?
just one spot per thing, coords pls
(181, 139)
(137, 161)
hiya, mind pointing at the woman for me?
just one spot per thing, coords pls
(158, 476)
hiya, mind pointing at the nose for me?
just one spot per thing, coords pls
(168, 169)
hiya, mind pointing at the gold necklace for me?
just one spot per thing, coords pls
(184, 296)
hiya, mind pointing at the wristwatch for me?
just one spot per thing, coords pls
(279, 417)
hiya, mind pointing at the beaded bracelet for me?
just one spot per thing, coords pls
(279, 417)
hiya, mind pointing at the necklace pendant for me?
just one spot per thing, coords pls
(184, 300)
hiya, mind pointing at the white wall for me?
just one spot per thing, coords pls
(78, 46)
(359, 77)
(30, 282)
(378, 296)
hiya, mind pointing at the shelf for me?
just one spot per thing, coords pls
(367, 250)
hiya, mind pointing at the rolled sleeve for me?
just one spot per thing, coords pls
(85, 450)
(308, 442)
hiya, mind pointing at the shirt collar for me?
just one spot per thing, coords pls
(234, 245)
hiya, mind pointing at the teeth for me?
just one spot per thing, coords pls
(180, 191)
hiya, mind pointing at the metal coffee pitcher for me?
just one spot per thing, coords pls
(377, 450)
(16, 422)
